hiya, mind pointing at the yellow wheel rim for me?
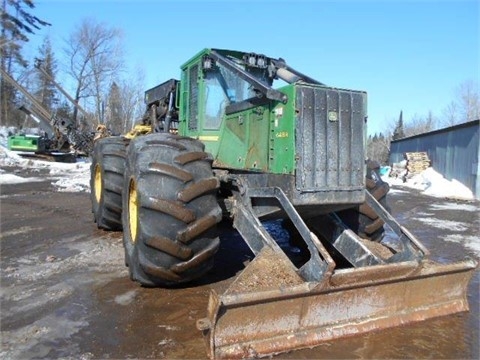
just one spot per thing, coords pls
(98, 183)
(133, 210)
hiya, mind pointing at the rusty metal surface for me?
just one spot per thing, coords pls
(256, 324)
(273, 307)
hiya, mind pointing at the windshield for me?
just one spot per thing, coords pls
(224, 87)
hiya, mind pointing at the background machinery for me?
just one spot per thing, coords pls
(61, 135)
(223, 143)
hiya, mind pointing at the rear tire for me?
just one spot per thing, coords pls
(170, 210)
(106, 182)
(363, 220)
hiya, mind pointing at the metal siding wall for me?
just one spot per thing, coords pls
(454, 153)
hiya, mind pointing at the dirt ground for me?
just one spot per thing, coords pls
(65, 291)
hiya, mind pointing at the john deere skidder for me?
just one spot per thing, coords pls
(223, 142)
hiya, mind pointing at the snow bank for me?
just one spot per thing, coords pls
(430, 182)
(10, 158)
(5, 132)
(71, 177)
(79, 182)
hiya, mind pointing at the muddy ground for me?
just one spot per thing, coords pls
(65, 292)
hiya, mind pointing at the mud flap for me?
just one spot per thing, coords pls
(269, 310)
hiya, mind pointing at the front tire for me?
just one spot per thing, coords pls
(170, 210)
(106, 181)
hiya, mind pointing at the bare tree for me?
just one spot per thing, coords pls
(420, 124)
(431, 121)
(450, 114)
(466, 105)
(125, 104)
(133, 105)
(95, 54)
(469, 98)
(378, 148)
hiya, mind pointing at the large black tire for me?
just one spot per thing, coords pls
(106, 181)
(170, 210)
(363, 220)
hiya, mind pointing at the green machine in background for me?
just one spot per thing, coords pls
(30, 143)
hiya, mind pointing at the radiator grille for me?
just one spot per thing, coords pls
(329, 139)
(193, 90)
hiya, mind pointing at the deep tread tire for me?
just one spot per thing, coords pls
(170, 210)
(363, 219)
(106, 181)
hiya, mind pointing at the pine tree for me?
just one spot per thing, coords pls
(399, 132)
(114, 119)
(16, 24)
(46, 67)
(378, 148)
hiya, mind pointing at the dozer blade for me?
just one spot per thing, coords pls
(269, 310)
(273, 307)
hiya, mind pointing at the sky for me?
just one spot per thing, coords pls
(407, 55)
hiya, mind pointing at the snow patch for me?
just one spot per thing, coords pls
(454, 206)
(169, 327)
(422, 214)
(73, 185)
(445, 224)
(67, 177)
(431, 183)
(19, 231)
(5, 132)
(11, 158)
(102, 256)
(397, 191)
(14, 179)
(126, 298)
(470, 242)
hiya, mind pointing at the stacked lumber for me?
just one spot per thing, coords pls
(416, 162)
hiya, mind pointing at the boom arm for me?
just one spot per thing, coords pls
(290, 75)
(41, 109)
(263, 88)
(277, 68)
(37, 117)
(62, 90)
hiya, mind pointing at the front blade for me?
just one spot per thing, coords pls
(299, 315)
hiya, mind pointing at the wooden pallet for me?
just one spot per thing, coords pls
(416, 156)
(416, 162)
